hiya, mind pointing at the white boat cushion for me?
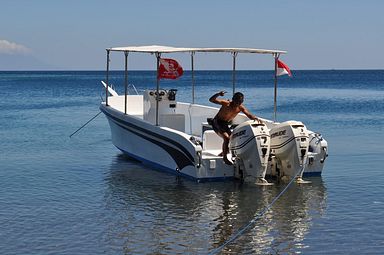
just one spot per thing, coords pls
(211, 141)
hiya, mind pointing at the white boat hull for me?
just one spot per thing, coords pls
(163, 149)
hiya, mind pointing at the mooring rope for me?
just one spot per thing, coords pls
(84, 124)
(257, 217)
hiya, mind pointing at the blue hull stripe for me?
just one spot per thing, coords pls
(156, 166)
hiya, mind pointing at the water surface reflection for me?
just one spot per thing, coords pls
(153, 212)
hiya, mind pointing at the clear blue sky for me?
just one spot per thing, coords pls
(73, 34)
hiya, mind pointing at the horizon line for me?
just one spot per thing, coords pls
(188, 70)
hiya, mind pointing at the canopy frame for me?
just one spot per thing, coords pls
(158, 50)
(276, 57)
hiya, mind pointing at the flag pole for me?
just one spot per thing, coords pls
(126, 81)
(158, 55)
(234, 54)
(107, 80)
(193, 77)
(276, 56)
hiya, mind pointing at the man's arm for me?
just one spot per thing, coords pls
(249, 115)
(215, 100)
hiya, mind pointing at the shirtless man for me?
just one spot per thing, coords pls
(228, 111)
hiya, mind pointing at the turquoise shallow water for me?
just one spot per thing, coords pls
(82, 196)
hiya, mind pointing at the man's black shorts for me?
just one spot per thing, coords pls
(221, 126)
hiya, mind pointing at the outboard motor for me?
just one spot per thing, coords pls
(289, 149)
(317, 153)
(250, 144)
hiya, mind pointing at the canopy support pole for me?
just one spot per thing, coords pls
(107, 80)
(193, 77)
(234, 55)
(158, 55)
(276, 56)
(126, 81)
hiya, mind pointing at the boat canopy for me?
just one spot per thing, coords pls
(158, 50)
(168, 49)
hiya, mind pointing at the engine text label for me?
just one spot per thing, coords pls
(280, 133)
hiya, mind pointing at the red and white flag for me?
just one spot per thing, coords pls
(282, 69)
(169, 69)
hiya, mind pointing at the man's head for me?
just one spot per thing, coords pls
(238, 98)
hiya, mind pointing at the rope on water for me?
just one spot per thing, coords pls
(257, 217)
(85, 124)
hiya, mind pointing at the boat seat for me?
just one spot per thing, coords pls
(174, 121)
(134, 104)
(212, 142)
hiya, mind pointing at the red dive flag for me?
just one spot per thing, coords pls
(169, 69)
(282, 69)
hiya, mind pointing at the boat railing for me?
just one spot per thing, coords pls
(133, 87)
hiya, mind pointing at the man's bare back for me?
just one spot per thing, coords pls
(228, 111)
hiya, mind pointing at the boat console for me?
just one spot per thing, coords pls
(167, 106)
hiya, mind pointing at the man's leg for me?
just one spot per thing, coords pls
(225, 148)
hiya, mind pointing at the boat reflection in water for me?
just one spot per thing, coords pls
(282, 229)
(156, 212)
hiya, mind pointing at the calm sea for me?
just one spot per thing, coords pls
(82, 196)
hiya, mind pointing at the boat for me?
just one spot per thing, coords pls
(160, 131)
